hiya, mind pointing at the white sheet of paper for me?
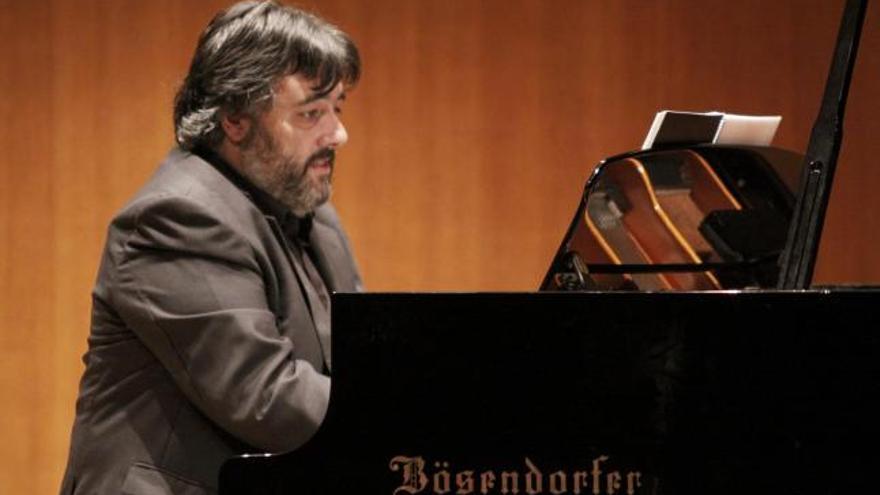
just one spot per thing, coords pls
(747, 129)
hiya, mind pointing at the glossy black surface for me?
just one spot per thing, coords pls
(701, 393)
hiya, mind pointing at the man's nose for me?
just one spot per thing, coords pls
(335, 135)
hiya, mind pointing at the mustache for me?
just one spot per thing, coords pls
(328, 154)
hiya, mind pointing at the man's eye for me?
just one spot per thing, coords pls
(312, 115)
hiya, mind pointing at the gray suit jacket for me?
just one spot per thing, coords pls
(202, 343)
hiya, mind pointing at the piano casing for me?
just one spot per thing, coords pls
(703, 392)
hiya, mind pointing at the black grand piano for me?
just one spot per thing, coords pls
(676, 346)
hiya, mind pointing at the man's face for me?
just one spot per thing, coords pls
(290, 149)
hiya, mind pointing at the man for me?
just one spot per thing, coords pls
(210, 328)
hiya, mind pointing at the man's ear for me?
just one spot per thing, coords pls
(236, 127)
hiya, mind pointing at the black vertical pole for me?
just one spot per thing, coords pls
(799, 258)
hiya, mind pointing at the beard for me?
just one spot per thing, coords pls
(283, 177)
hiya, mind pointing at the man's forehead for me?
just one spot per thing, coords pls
(299, 90)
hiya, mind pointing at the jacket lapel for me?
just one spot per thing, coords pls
(332, 259)
(320, 320)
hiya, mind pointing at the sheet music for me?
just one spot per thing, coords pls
(672, 127)
(747, 129)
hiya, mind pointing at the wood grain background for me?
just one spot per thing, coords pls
(472, 133)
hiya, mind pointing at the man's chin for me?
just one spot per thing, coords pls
(323, 196)
(307, 205)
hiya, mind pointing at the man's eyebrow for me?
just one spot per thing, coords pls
(318, 96)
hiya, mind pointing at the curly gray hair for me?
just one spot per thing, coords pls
(243, 52)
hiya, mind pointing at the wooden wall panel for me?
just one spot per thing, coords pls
(472, 132)
(500, 113)
(27, 275)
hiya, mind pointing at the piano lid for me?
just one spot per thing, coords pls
(710, 217)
